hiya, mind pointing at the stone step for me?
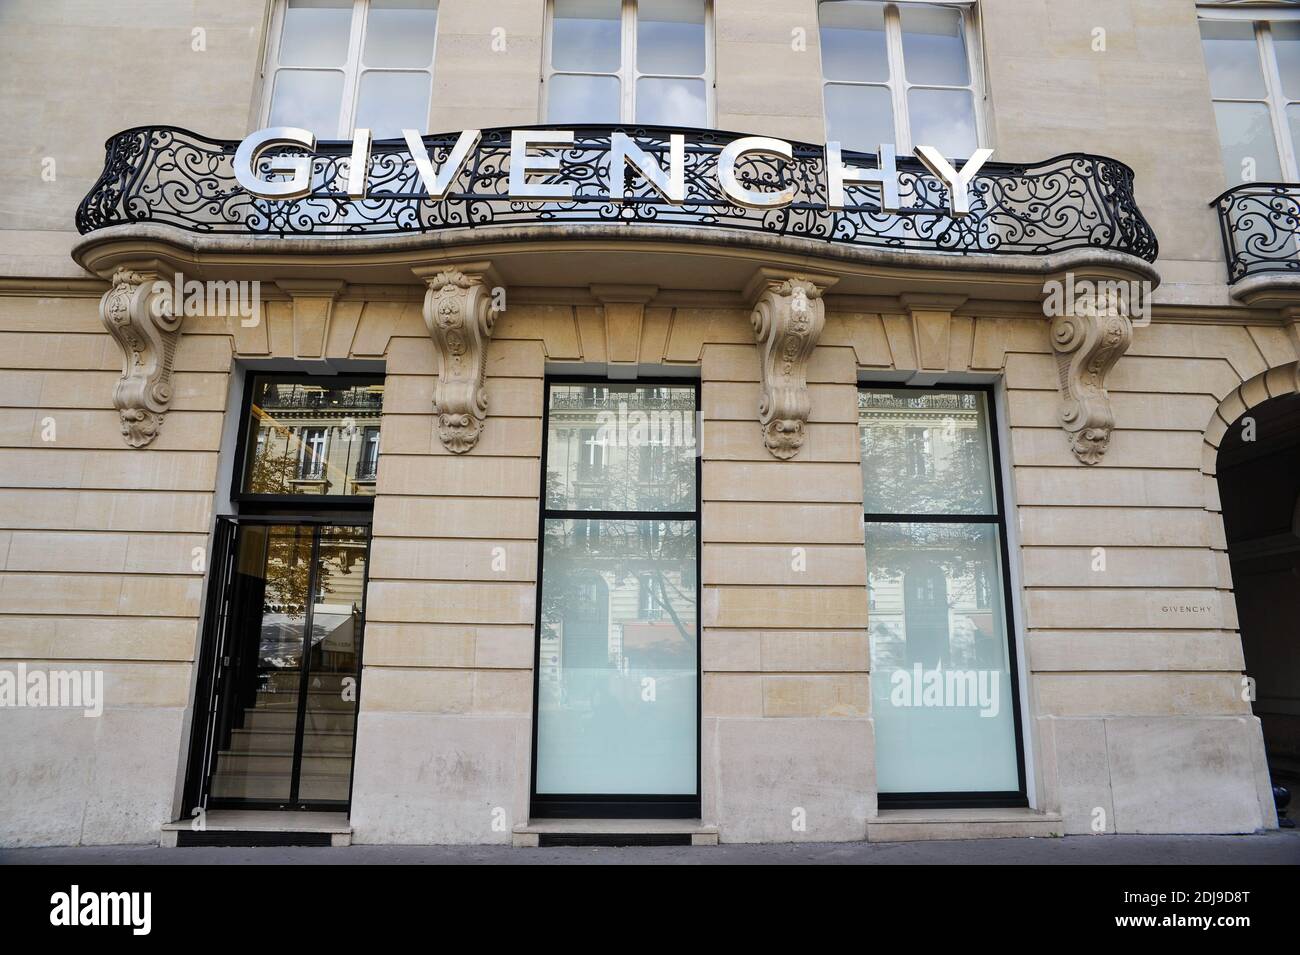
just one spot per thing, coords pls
(614, 832)
(314, 720)
(915, 825)
(281, 740)
(321, 764)
(316, 700)
(276, 786)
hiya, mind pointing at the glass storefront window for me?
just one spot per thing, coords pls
(618, 650)
(943, 678)
(312, 437)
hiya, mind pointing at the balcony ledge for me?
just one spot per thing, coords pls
(688, 257)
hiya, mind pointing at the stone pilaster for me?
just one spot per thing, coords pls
(788, 317)
(458, 311)
(137, 311)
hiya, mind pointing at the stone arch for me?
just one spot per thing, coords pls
(1277, 382)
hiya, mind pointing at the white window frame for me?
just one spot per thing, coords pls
(897, 82)
(353, 68)
(628, 74)
(1275, 98)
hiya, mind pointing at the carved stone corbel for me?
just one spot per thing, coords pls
(138, 315)
(788, 316)
(1087, 343)
(459, 313)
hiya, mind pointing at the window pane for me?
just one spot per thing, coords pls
(941, 693)
(1246, 132)
(853, 41)
(664, 102)
(1286, 43)
(934, 48)
(616, 696)
(670, 36)
(925, 452)
(944, 119)
(621, 448)
(587, 35)
(387, 103)
(400, 33)
(307, 438)
(315, 33)
(859, 117)
(1232, 57)
(310, 99)
(583, 99)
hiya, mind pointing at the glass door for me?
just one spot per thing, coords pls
(285, 672)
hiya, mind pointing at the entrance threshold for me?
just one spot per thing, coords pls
(614, 832)
(916, 825)
(251, 827)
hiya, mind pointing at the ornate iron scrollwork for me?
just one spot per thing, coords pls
(171, 176)
(1260, 225)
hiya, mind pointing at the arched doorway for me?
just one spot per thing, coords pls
(1259, 485)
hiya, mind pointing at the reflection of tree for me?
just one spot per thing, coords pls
(622, 551)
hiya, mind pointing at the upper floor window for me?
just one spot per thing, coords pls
(339, 65)
(1254, 68)
(903, 73)
(630, 61)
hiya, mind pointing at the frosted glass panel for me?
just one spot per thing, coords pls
(400, 33)
(859, 117)
(853, 40)
(621, 448)
(934, 50)
(1232, 57)
(387, 103)
(670, 36)
(582, 99)
(310, 99)
(925, 452)
(586, 35)
(616, 683)
(671, 102)
(941, 691)
(944, 119)
(1246, 133)
(1286, 43)
(315, 33)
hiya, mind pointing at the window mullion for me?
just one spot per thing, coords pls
(897, 78)
(352, 68)
(1276, 101)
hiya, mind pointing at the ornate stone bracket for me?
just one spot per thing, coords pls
(788, 317)
(1087, 345)
(139, 316)
(458, 310)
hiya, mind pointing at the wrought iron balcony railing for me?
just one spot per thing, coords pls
(1260, 225)
(166, 175)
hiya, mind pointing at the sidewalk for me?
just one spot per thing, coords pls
(1271, 848)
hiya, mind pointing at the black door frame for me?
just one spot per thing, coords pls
(621, 805)
(217, 644)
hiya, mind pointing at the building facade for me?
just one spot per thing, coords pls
(493, 422)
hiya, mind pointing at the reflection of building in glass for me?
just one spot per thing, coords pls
(314, 439)
(621, 592)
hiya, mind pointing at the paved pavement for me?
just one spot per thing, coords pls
(1271, 848)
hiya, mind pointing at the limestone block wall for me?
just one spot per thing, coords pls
(1134, 656)
(102, 559)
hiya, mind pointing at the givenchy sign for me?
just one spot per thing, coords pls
(536, 152)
